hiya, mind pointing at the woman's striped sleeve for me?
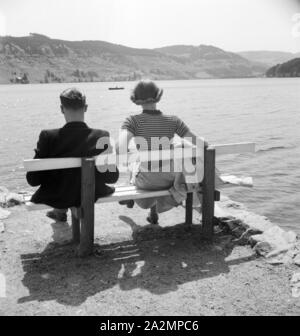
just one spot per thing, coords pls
(181, 127)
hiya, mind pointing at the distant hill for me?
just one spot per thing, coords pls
(268, 58)
(42, 59)
(287, 69)
(210, 61)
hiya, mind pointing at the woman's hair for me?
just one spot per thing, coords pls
(146, 91)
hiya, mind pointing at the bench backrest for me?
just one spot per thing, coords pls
(64, 163)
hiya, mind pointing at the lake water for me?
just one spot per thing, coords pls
(266, 111)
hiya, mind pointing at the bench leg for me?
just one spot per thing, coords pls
(75, 225)
(189, 209)
(208, 193)
(87, 207)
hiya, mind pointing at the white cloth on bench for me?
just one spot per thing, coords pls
(222, 181)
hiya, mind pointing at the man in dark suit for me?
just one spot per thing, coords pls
(61, 189)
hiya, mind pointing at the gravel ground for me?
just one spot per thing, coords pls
(137, 269)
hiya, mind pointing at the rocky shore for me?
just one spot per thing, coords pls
(141, 269)
(7, 200)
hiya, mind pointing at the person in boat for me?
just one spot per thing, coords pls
(61, 189)
(152, 125)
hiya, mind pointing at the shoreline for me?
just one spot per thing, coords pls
(158, 80)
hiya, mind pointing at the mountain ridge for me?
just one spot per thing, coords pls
(43, 59)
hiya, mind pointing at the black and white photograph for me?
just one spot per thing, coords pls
(149, 161)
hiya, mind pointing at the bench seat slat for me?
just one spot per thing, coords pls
(133, 194)
(121, 193)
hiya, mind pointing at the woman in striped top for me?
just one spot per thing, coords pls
(148, 129)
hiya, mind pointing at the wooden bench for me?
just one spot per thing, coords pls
(83, 218)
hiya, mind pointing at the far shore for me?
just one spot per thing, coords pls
(133, 81)
(158, 80)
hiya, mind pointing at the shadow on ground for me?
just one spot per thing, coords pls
(156, 259)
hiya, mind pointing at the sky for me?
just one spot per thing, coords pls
(233, 25)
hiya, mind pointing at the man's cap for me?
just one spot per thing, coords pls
(72, 98)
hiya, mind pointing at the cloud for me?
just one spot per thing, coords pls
(2, 24)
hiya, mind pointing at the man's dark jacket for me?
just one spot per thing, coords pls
(62, 188)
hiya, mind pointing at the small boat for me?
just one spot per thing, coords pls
(116, 88)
